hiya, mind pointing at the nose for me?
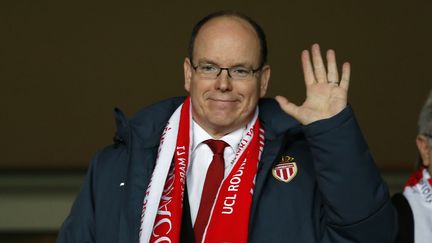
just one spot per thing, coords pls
(223, 81)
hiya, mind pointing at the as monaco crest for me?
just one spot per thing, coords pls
(286, 170)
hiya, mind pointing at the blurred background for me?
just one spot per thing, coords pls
(64, 65)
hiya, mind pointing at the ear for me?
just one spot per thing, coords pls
(264, 80)
(424, 150)
(187, 69)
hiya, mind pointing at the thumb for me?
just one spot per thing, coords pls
(287, 106)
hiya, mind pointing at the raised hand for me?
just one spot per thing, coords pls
(326, 95)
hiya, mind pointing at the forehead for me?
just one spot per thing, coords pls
(228, 40)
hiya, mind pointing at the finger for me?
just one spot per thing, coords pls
(332, 72)
(307, 68)
(318, 64)
(287, 106)
(346, 72)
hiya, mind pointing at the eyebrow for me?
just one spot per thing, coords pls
(205, 60)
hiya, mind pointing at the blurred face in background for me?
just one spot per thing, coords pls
(424, 145)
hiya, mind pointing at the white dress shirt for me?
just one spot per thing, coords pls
(200, 160)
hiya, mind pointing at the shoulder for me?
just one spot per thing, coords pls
(141, 130)
(146, 123)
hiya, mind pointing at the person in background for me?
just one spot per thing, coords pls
(414, 205)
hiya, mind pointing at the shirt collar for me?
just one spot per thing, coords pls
(200, 135)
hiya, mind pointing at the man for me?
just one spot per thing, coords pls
(289, 173)
(414, 205)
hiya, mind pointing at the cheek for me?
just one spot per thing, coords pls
(250, 98)
(430, 158)
(195, 89)
(251, 92)
(198, 93)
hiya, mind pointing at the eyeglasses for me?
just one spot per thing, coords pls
(212, 71)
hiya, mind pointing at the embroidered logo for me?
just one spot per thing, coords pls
(286, 170)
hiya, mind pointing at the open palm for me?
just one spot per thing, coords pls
(326, 95)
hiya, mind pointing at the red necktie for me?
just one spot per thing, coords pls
(214, 177)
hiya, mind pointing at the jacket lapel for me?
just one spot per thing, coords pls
(270, 152)
(277, 125)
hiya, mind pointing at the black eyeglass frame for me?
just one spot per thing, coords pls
(228, 69)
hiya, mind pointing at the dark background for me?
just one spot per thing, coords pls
(66, 64)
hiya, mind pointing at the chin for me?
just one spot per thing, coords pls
(222, 121)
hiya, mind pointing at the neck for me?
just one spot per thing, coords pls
(217, 133)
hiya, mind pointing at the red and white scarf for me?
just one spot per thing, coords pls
(163, 202)
(418, 192)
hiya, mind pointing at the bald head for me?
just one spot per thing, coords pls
(228, 40)
(259, 33)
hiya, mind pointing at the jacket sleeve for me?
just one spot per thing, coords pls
(79, 226)
(357, 205)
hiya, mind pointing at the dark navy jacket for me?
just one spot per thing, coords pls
(336, 196)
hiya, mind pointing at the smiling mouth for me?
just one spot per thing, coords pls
(222, 103)
(222, 100)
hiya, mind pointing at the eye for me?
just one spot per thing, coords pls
(208, 68)
(242, 71)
